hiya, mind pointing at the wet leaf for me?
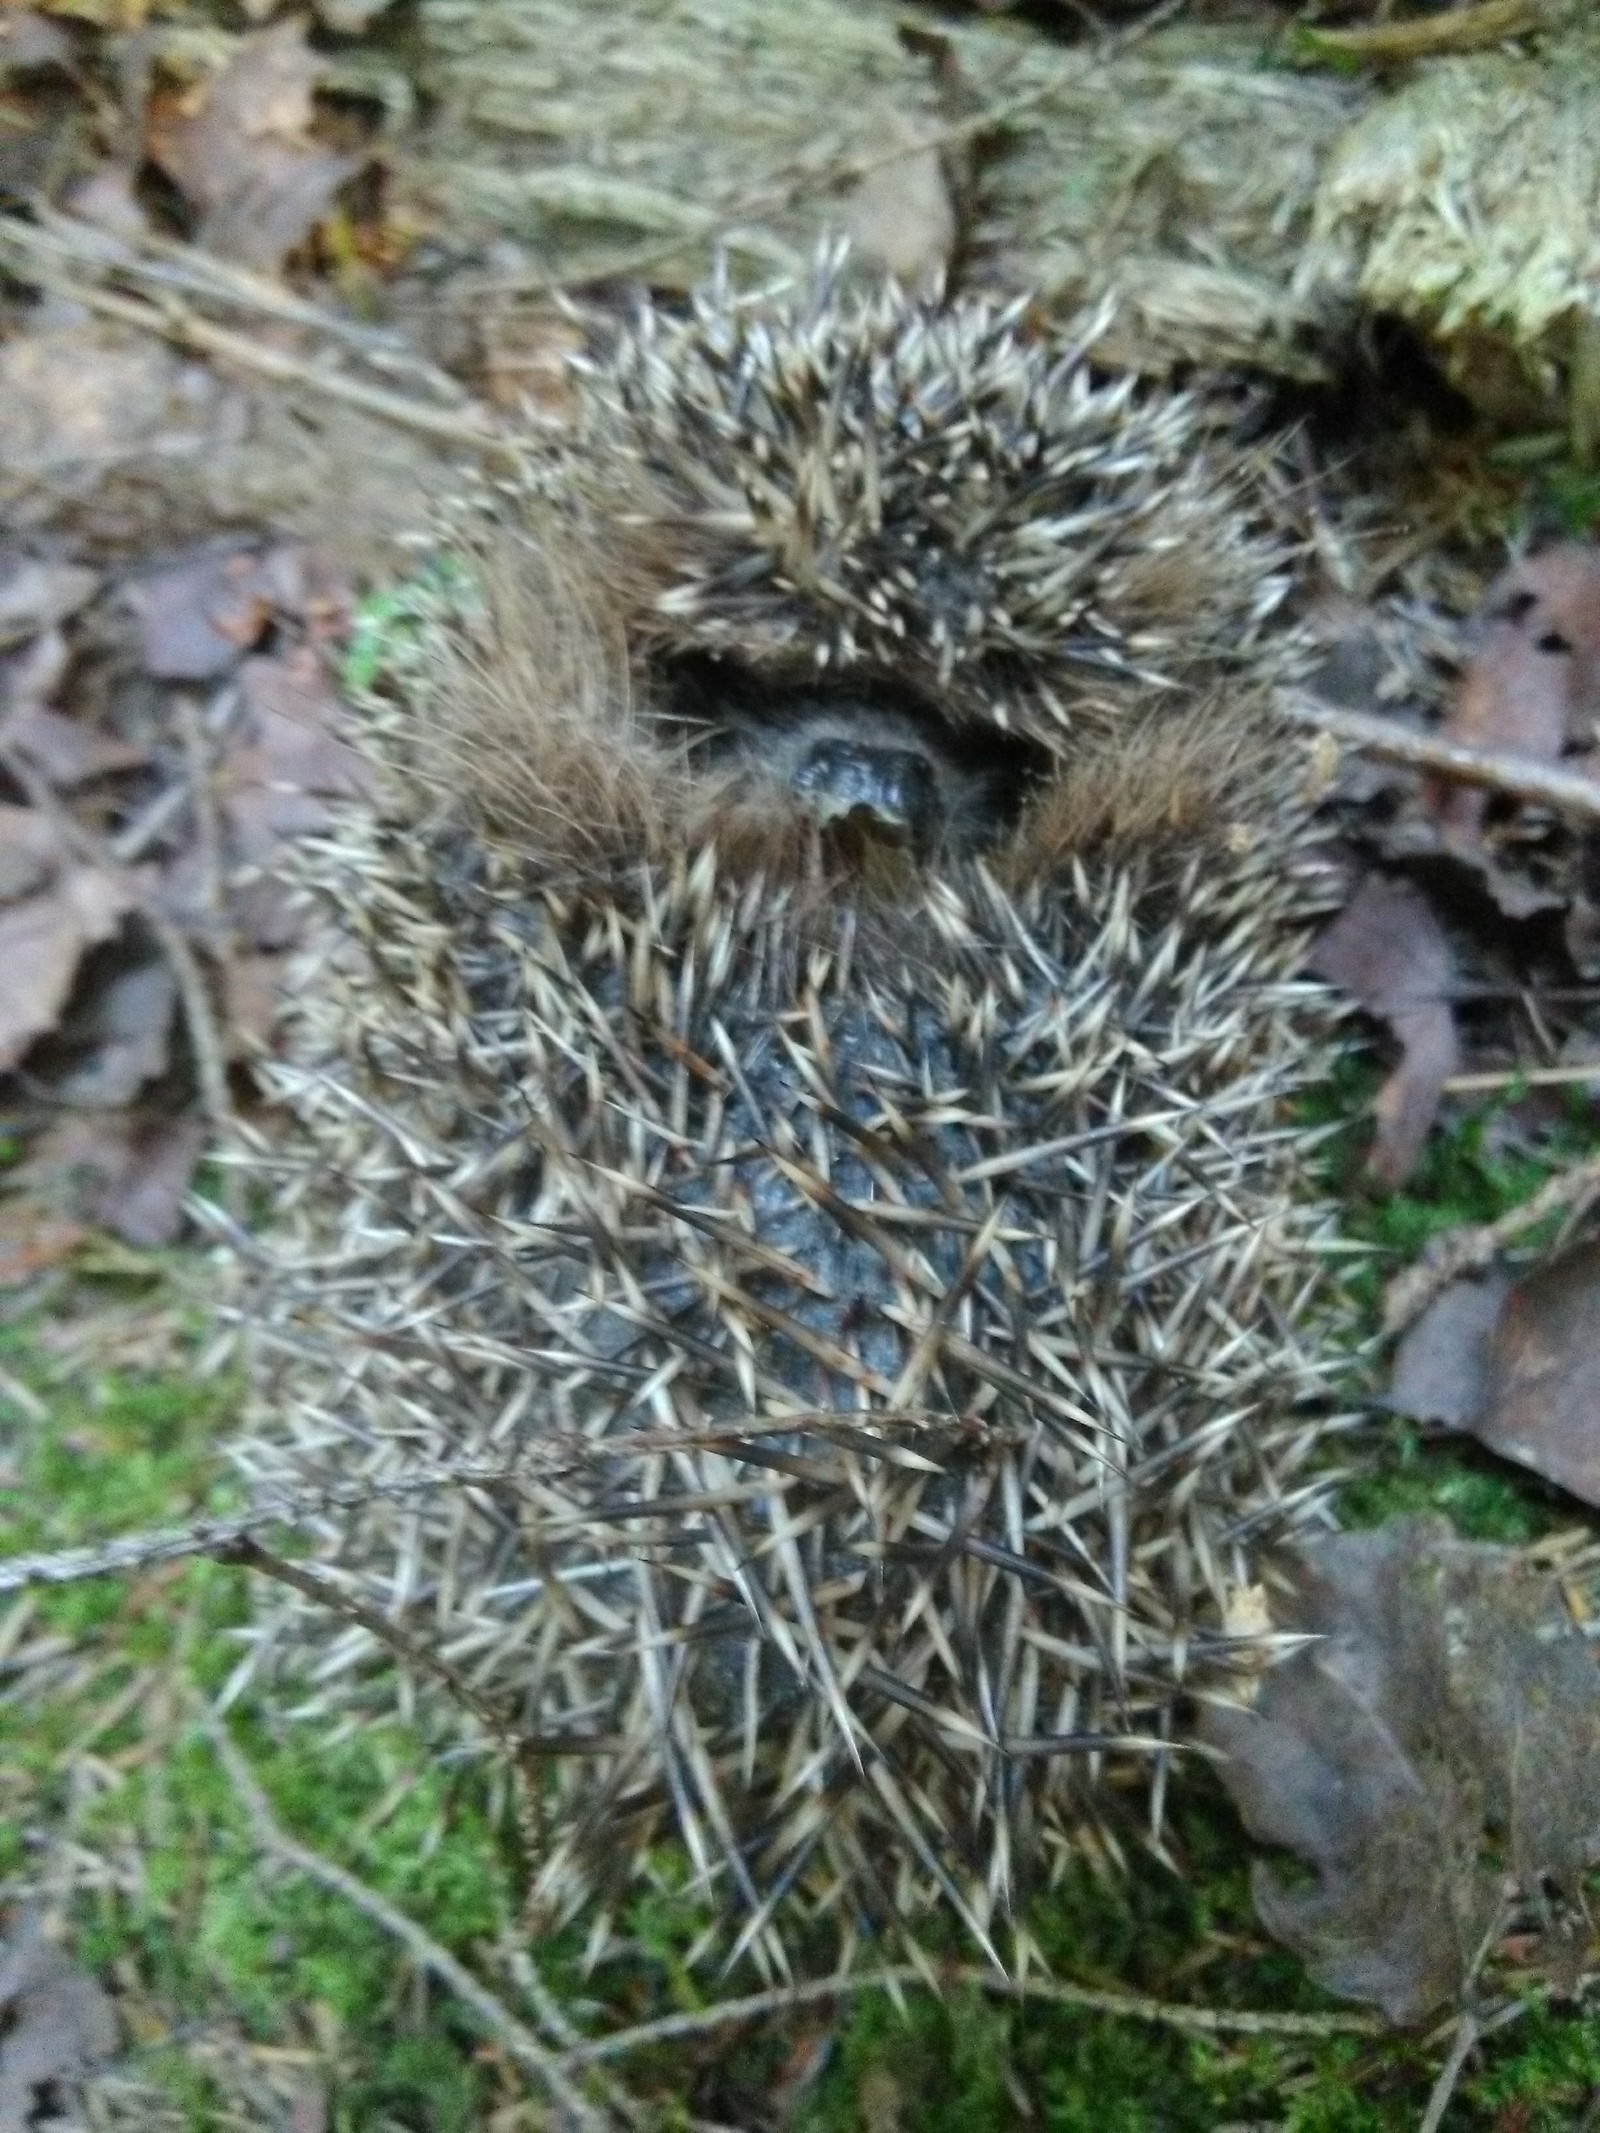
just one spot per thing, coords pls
(1437, 1744)
(1541, 1405)
(1388, 951)
(244, 155)
(42, 939)
(56, 2023)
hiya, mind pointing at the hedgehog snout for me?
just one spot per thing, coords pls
(894, 790)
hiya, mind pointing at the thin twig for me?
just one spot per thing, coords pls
(1475, 1245)
(1551, 1077)
(1450, 2073)
(199, 1016)
(1525, 777)
(1198, 2021)
(547, 2068)
(160, 264)
(171, 319)
(547, 1457)
(247, 1553)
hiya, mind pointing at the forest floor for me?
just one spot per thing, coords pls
(176, 1860)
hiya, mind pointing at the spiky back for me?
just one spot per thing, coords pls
(931, 492)
(819, 1367)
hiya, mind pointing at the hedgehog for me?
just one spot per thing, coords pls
(794, 1236)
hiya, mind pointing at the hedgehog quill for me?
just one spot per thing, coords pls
(797, 1073)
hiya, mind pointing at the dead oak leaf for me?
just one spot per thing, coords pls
(1387, 950)
(42, 939)
(1437, 1742)
(243, 153)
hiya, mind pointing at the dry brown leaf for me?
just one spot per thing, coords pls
(244, 156)
(56, 2024)
(1541, 1405)
(1437, 1743)
(66, 751)
(125, 1170)
(1388, 951)
(42, 938)
(1441, 1367)
(291, 756)
(1533, 685)
(198, 617)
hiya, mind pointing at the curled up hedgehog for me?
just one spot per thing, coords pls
(792, 1246)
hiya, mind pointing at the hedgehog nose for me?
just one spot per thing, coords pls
(892, 789)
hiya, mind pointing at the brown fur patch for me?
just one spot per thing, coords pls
(1171, 777)
(538, 730)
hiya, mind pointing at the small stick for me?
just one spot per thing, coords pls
(248, 1554)
(1464, 1250)
(173, 320)
(493, 2015)
(1526, 777)
(1444, 2088)
(1202, 2021)
(198, 1015)
(1460, 29)
(560, 1450)
(152, 261)
(1551, 1077)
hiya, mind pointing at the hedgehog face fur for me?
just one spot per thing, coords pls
(791, 1210)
